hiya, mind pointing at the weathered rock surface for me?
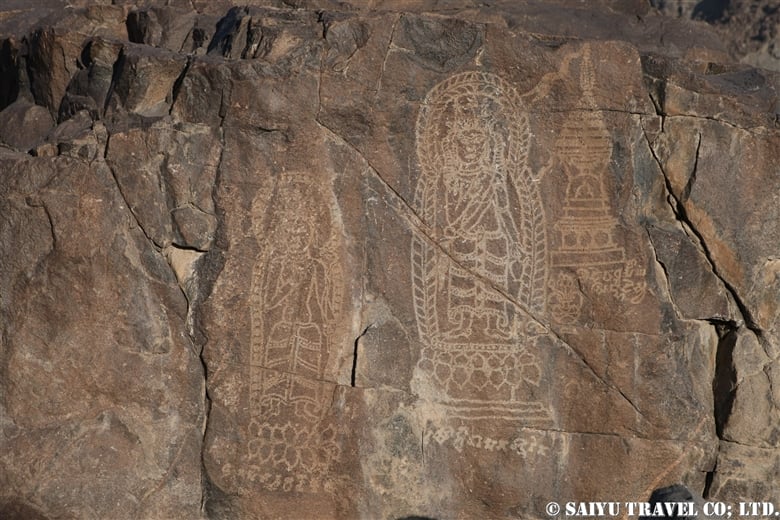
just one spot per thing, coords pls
(316, 260)
(749, 27)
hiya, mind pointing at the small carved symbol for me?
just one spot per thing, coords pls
(565, 298)
(476, 194)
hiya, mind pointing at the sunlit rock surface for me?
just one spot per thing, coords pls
(320, 260)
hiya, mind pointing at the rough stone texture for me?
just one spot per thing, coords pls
(749, 27)
(24, 124)
(97, 364)
(318, 260)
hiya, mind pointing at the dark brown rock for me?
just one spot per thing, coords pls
(694, 287)
(97, 363)
(90, 87)
(144, 80)
(166, 27)
(749, 28)
(418, 259)
(24, 125)
(52, 52)
(166, 175)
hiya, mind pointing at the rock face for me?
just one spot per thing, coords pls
(316, 260)
(750, 28)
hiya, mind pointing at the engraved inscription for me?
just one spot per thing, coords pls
(586, 233)
(461, 437)
(481, 275)
(296, 299)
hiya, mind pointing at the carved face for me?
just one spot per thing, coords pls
(472, 143)
(293, 228)
(299, 232)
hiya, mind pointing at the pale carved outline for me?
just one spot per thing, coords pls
(588, 255)
(526, 444)
(296, 302)
(473, 132)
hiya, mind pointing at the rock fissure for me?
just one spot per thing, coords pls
(408, 213)
(678, 208)
(130, 208)
(686, 192)
(304, 376)
(725, 376)
(165, 479)
(497, 332)
(117, 68)
(665, 272)
(386, 55)
(588, 110)
(770, 383)
(206, 280)
(758, 130)
(178, 83)
(709, 478)
(724, 379)
(415, 222)
(658, 99)
(355, 352)
(166, 189)
(204, 476)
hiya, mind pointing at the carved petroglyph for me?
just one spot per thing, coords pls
(586, 233)
(462, 437)
(477, 197)
(294, 456)
(565, 298)
(296, 299)
(626, 283)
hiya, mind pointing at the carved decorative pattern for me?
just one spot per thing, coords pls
(482, 271)
(587, 231)
(297, 295)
